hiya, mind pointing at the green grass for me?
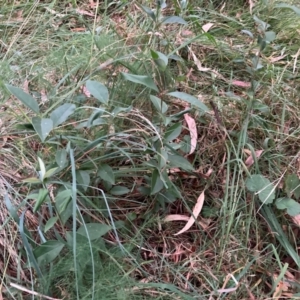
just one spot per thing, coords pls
(95, 227)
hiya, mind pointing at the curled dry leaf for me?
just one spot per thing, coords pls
(198, 63)
(241, 83)
(193, 131)
(196, 211)
(275, 59)
(207, 26)
(250, 160)
(84, 12)
(85, 91)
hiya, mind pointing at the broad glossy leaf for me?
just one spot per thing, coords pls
(42, 127)
(50, 172)
(26, 99)
(156, 183)
(178, 161)
(172, 132)
(292, 185)
(62, 113)
(162, 158)
(270, 36)
(32, 180)
(98, 90)
(63, 205)
(160, 105)
(263, 25)
(160, 59)
(47, 252)
(43, 193)
(119, 190)
(50, 223)
(93, 230)
(141, 79)
(261, 185)
(106, 173)
(286, 5)
(149, 12)
(174, 20)
(190, 99)
(83, 178)
(61, 157)
(292, 207)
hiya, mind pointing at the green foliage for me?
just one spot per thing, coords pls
(111, 149)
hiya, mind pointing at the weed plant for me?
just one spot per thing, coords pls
(149, 150)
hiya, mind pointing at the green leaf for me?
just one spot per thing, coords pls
(190, 99)
(261, 185)
(119, 109)
(160, 59)
(64, 205)
(172, 132)
(270, 36)
(174, 20)
(293, 207)
(93, 230)
(292, 7)
(149, 12)
(32, 180)
(141, 79)
(61, 157)
(24, 98)
(83, 178)
(263, 108)
(50, 223)
(156, 183)
(248, 32)
(292, 185)
(106, 173)
(160, 105)
(98, 90)
(162, 158)
(119, 190)
(42, 127)
(42, 171)
(47, 252)
(62, 113)
(50, 172)
(263, 25)
(43, 193)
(180, 162)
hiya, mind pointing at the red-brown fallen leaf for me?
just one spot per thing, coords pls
(250, 160)
(207, 26)
(169, 218)
(84, 12)
(196, 212)
(241, 83)
(251, 5)
(186, 33)
(25, 86)
(275, 59)
(282, 286)
(79, 29)
(85, 91)
(193, 132)
(198, 63)
(296, 219)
